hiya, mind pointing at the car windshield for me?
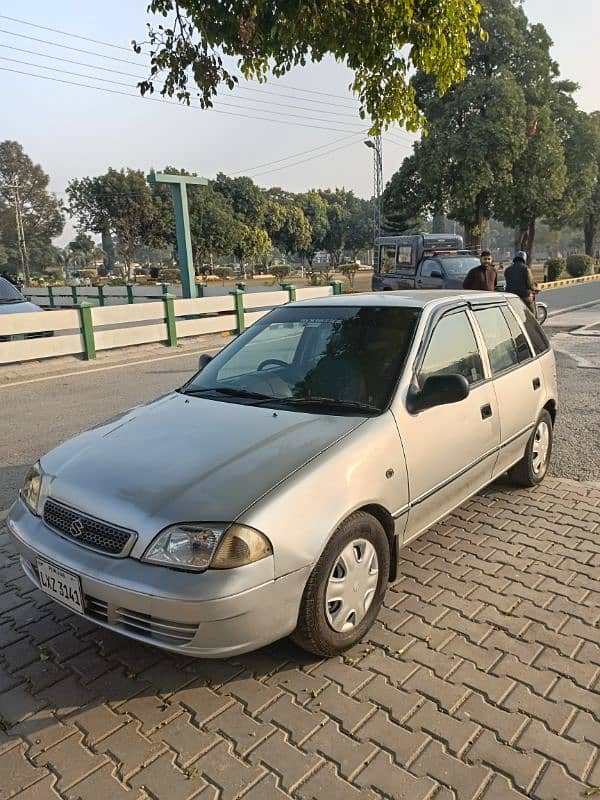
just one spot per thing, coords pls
(10, 293)
(327, 359)
(459, 265)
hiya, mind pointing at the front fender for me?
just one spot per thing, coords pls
(299, 516)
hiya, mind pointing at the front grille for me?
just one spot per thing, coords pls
(144, 625)
(88, 531)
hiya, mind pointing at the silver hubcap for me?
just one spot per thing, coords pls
(351, 585)
(541, 445)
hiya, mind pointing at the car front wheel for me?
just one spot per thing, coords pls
(345, 590)
(532, 468)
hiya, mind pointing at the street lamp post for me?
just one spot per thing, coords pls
(375, 145)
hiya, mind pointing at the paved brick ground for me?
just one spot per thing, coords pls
(478, 681)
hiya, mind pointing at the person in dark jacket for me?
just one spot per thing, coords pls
(484, 277)
(519, 280)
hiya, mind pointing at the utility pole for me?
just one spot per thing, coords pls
(20, 230)
(376, 146)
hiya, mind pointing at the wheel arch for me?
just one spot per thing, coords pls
(550, 407)
(383, 516)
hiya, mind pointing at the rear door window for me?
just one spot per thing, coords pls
(523, 350)
(537, 337)
(500, 344)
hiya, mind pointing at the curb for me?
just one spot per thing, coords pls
(569, 281)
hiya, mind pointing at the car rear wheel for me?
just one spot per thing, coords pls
(345, 590)
(532, 468)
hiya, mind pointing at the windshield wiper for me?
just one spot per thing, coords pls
(229, 391)
(328, 402)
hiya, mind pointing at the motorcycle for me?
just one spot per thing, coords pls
(541, 309)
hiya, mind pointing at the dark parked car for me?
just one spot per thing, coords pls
(13, 302)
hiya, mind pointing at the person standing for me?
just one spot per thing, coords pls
(519, 280)
(483, 277)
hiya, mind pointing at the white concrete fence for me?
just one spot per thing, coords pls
(83, 330)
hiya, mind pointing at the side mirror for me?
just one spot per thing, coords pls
(439, 390)
(436, 274)
(203, 361)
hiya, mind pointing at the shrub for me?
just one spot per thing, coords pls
(554, 267)
(579, 265)
(280, 271)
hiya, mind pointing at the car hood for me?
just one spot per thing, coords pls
(18, 308)
(185, 459)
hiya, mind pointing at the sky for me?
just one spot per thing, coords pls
(299, 132)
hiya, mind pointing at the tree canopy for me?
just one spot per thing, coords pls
(41, 212)
(381, 41)
(507, 141)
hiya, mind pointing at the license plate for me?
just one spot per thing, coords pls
(60, 584)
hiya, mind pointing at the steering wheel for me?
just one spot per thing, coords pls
(271, 362)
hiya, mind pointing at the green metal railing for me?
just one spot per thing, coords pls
(86, 325)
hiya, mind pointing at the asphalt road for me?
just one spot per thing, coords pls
(41, 408)
(569, 296)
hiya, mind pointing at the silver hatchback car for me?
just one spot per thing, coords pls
(271, 494)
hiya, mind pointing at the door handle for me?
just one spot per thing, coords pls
(486, 411)
(536, 384)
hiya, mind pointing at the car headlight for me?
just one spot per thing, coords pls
(194, 546)
(30, 493)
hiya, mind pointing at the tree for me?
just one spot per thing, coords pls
(24, 188)
(338, 218)
(315, 211)
(406, 198)
(591, 216)
(214, 228)
(118, 204)
(253, 243)
(539, 180)
(83, 248)
(381, 42)
(360, 224)
(287, 226)
(244, 196)
(579, 206)
(480, 149)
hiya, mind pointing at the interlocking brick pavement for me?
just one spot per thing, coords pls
(479, 681)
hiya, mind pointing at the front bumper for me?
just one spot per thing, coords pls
(214, 614)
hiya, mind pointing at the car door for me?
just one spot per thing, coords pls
(431, 275)
(518, 380)
(450, 449)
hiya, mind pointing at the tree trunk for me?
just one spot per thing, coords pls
(530, 240)
(109, 249)
(438, 224)
(473, 236)
(589, 233)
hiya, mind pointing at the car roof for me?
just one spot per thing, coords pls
(413, 298)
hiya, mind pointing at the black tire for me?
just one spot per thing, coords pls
(541, 313)
(313, 631)
(524, 473)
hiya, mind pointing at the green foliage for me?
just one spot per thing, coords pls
(42, 212)
(554, 268)
(119, 203)
(497, 143)
(382, 42)
(253, 243)
(223, 273)
(578, 265)
(280, 271)
(349, 270)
